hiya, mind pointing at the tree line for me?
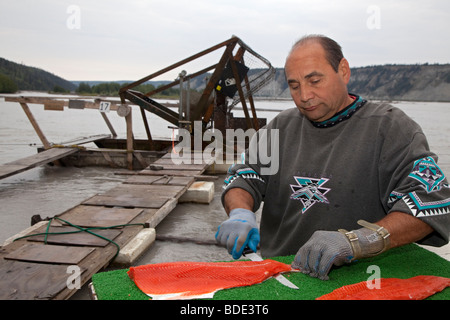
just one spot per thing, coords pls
(112, 89)
(7, 85)
(15, 76)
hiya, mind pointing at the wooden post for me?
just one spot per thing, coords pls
(35, 125)
(129, 122)
(108, 123)
(147, 128)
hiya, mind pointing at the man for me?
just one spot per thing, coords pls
(344, 164)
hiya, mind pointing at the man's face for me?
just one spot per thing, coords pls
(319, 92)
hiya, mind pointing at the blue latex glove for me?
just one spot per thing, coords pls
(238, 232)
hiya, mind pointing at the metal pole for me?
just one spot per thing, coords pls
(180, 106)
(129, 124)
(188, 100)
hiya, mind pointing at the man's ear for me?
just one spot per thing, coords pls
(344, 70)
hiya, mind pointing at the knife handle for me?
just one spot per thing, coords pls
(247, 250)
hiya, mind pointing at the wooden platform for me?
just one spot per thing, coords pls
(47, 156)
(24, 164)
(40, 267)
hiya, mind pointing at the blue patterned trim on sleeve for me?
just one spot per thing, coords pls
(245, 173)
(420, 208)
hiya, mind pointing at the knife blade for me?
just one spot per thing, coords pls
(280, 278)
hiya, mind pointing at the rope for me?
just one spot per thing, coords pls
(173, 141)
(80, 229)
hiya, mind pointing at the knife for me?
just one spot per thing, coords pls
(255, 257)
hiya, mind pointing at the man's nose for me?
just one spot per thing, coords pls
(306, 95)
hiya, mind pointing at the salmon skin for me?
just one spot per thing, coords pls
(416, 288)
(193, 280)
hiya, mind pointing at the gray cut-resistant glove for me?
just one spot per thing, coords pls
(321, 251)
(327, 248)
(238, 232)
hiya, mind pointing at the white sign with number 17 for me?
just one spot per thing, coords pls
(104, 106)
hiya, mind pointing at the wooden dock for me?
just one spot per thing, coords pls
(48, 266)
(51, 154)
(44, 265)
(24, 164)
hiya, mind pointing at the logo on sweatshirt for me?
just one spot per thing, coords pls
(428, 173)
(309, 191)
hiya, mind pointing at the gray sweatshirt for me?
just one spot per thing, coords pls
(368, 160)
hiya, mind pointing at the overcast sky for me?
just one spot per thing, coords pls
(127, 40)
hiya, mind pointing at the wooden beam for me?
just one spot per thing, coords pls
(241, 93)
(80, 105)
(180, 63)
(203, 103)
(108, 123)
(147, 127)
(35, 125)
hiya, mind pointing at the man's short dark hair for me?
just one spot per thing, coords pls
(333, 51)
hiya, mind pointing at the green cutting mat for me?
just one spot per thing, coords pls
(404, 262)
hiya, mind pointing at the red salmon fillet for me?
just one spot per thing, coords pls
(189, 280)
(416, 288)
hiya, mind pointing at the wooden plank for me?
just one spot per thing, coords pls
(190, 169)
(43, 100)
(49, 254)
(160, 180)
(84, 140)
(199, 192)
(137, 196)
(32, 281)
(192, 155)
(136, 247)
(55, 105)
(154, 217)
(93, 216)
(78, 239)
(47, 156)
(7, 170)
(144, 191)
(126, 201)
(171, 166)
(190, 161)
(175, 173)
(196, 162)
(76, 104)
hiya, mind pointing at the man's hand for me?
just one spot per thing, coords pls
(238, 232)
(327, 248)
(322, 250)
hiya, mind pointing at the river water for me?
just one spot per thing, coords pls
(50, 190)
